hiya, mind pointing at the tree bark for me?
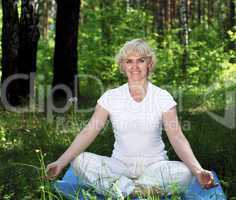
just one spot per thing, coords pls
(173, 12)
(231, 23)
(65, 55)
(160, 16)
(106, 7)
(199, 11)
(45, 18)
(29, 36)
(167, 14)
(210, 11)
(231, 16)
(19, 47)
(10, 47)
(184, 33)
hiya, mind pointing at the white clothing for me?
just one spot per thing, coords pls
(138, 156)
(113, 176)
(137, 126)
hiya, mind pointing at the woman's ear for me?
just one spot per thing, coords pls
(122, 70)
(150, 66)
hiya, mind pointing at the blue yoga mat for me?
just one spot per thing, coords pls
(70, 184)
(196, 192)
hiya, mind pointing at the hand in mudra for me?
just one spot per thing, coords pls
(206, 179)
(53, 170)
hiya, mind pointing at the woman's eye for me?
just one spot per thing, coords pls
(141, 60)
(128, 61)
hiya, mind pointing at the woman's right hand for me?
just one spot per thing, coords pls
(54, 169)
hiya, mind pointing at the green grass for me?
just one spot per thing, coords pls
(28, 141)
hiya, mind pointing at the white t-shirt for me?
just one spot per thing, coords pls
(137, 125)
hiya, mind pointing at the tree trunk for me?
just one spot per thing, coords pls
(231, 23)
(231, 17)
(10, 46)
(173, 12)
(220, 19)
(199, 12)
(65, 55)
(193, 12)
(154, 13)
(210, 11)
(29, 36)
(45, 18)
(184, 33)
(160, 16)
(167, 14)
(19, 47)
(106, 7)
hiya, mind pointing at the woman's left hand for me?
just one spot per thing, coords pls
(206, 179)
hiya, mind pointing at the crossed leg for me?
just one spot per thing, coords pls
(164, 177)
(109, 175)
(105, 174)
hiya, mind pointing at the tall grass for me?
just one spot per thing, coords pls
(29, 141)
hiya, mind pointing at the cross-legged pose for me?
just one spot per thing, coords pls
(138, 110)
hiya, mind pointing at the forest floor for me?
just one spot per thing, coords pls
(30, 140)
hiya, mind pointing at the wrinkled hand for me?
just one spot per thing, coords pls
(53, 170)
(206, 179)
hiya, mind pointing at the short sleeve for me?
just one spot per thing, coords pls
(104, 101)
(166, 101)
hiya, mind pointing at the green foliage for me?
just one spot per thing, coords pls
(101, 50)
(102, 32)
(207, 53)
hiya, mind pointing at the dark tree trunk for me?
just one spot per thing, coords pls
(160, 16)
(231, 23)
(146, 25)
(167, 14)
(210, 11)
(184, 33)
(19, 46)
(29, 36)
(45, 18)
(173, 12)
(193, 12)
(154, 13)
(220, 19)
(65, 55)
(231, 16)
(106, 7)
(199, 11)
(10, 46)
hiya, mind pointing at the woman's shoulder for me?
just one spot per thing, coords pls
(161, 92)
(158, 90)
(116, 90)
(164, 98)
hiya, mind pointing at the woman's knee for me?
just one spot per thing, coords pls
(78, 162)
(186, 175)
(176, 172)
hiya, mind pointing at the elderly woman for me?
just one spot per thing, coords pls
(137, 110)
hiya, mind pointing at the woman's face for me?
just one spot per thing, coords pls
(136, 67)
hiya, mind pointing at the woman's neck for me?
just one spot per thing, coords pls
(138, 89)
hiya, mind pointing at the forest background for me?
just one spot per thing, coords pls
(57, 58)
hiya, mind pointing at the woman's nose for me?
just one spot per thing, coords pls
(135, 67)
(135, 64)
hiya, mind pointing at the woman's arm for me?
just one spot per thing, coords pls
(81, 141)
(183, 149)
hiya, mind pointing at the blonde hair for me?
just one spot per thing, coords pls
(138, 46)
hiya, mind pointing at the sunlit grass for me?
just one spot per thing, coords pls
(23, 168)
